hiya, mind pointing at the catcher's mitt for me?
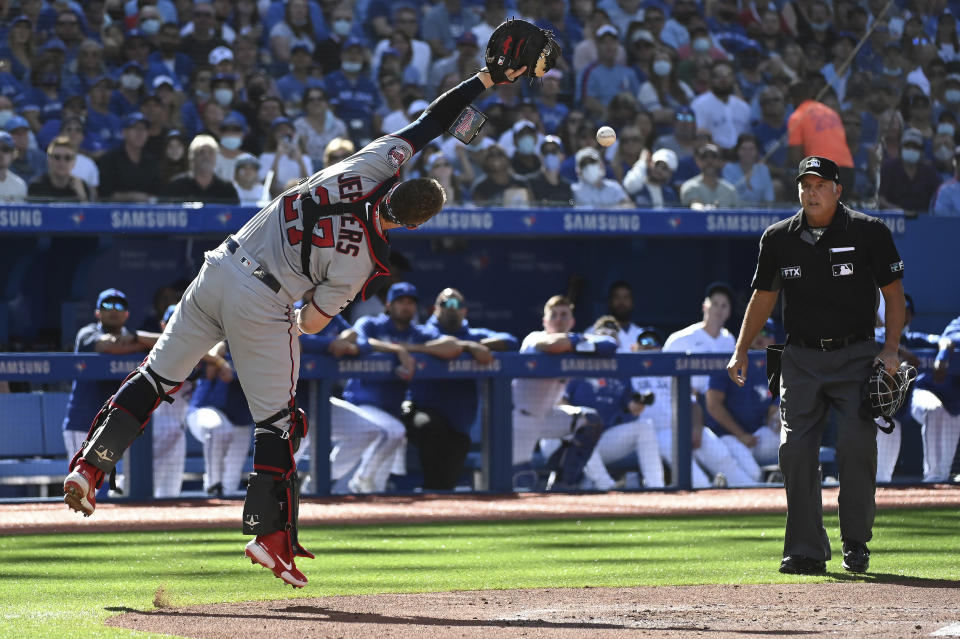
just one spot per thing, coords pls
(518, 43)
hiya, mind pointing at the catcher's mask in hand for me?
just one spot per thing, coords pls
(884, 394)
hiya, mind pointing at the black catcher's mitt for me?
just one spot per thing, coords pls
(518, 43)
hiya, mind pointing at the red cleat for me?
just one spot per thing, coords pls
(274, 553)
(80, 487)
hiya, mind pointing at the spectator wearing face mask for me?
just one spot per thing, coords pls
(943, 146)
(525, 162)
(232, 130)
(592, 188)
(908, 182)
(947, 200)
(250, 189)
(129, 92)
(549, 188)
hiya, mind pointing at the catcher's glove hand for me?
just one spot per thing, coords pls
(518, 43)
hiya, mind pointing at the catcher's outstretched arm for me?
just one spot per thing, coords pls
(440, 115)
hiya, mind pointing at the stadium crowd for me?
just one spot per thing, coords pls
(713, 102)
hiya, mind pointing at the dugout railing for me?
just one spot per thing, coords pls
(24, 417)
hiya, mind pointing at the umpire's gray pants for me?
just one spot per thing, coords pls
(811, 382)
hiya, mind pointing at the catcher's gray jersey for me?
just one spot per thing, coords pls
(341, 259)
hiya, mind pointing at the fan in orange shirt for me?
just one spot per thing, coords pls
(815, 129)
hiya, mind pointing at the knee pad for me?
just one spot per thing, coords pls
(122, 417)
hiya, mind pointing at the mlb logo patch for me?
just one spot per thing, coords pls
(813, 163)
(790, 272)
(896, 267)
(841, 270)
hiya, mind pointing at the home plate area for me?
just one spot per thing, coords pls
(916, 608)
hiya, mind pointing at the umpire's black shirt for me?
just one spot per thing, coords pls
(829, 285)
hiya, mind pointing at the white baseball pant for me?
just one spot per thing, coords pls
(225, 448)
(639, 437)
(698, 478)
(169, 446)
(751, 458)
(715, 456)
(940, 432)
(385, 456)
(352, 432)
(888, 450)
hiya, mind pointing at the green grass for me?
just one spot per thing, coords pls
(53, 585)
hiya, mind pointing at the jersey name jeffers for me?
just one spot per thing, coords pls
(350, 236)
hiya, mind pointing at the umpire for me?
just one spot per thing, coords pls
(829, 260)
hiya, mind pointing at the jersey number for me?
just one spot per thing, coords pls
(324, 225)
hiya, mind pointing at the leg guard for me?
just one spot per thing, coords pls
(123, 417)
(273, 492)
(568, 460)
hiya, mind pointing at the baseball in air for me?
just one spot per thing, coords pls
(606, 136)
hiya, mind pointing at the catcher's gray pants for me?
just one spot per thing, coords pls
(811, 382)
(226, 302)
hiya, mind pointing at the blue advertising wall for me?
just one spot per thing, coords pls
(54, 260)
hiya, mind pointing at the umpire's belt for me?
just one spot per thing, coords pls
(828, 343)
(258, 272)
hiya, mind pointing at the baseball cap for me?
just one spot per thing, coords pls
(131, 66)
(769, 327)
(719, 287)
(467, 37)
(110, 294)
(247, 159)
(817, 165)
(161, 80)
(434, 158)
(132, 119)
(353, 42)
(6, 140)
(953, 77)
(277, 121)
(21, 18)
(54, 43)
(402, 289)
(913, 136)
(220, 54)
(234, 119)
(17, 122)
(585, 154)
(300, 46)
(667, 156)
(101, 78)
(520, 125)
(607, 30)
(642, 34)
(551, 139)
(167, 313)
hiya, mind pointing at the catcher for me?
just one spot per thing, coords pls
(328, 235)
(829, 261)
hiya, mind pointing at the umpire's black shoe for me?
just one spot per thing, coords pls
(801, 565)
(856, 556)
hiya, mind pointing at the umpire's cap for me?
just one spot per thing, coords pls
(820, 166)
(402, 289)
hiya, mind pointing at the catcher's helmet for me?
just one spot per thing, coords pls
(883, 393)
